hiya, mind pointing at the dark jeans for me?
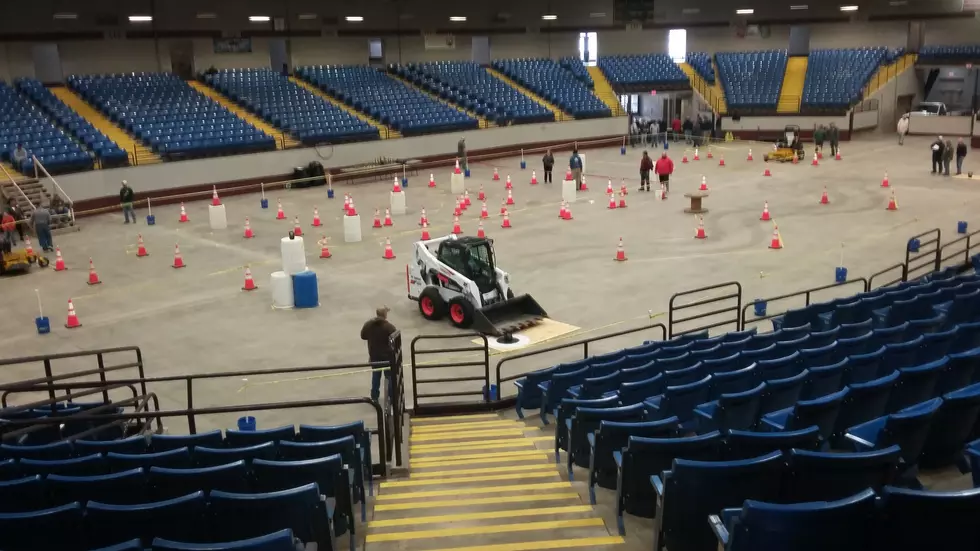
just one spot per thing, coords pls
(959, 164)
(644, 178)
(44, 236)
(937, 163)
(665, 180)
(376, 383)
(547, 175)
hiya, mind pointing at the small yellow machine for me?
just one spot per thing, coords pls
(789, 144)
(16, 262)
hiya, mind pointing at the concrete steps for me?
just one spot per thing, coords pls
(604, 91)
(707, 91)
(482, 482)
(719, 90)
(131, 145)
(559, 114)
(791, 93)
(484, 123)
(283, 140)
(386, 131)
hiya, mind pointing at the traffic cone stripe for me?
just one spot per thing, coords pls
(620, 252)
(141, 248)
(324, 251)
(178, 259)
(389, 254)
(72, 321)
(280, 215)
(316, 218)
(297, 229)
(249, 282)
(93, 276)
(59, 263)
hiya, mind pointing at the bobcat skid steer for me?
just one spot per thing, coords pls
(456, 275)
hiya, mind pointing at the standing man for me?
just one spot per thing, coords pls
(947, 155)
(688, 127)
(548, 162)
(903, 128)
(819, 135)
(376, 332)
(675, 127)
(42, 228)
(7, 226)
(664, 168)
(461, 153)
(960, 155)
(126, 200)
(575, 165)
(646, 165)
(937, 155)
(834, 138)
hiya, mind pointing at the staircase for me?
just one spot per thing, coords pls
(141, 153)
(719, 90)
(791, 93)
(559, 114)
(604, 91)
(33, 189)
(482, 482)
(483, 122)
(283, 140)
(711, 94)
(887, 72)
(386, 131)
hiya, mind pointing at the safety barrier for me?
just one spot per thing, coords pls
(807, 294)
(963, 246)
(674, 309)
(902, 276)
(916, 258)
(482, 378)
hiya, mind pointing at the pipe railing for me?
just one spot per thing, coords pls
(807, 295)
(13, 182)
(60, 190)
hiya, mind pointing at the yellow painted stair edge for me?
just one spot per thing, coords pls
(285, 139)
(104, 124)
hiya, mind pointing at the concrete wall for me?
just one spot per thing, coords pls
(100, 183)
(945, 126)
(779, 123)
(866, 120)
(906, 84)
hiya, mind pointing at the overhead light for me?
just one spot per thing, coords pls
(597, 15)
(140, 18)
(306, 16)
(898, 3)
(457, 18)
(207, 15)
(799, 7)
(354, 19)
(258, 18)
(745, 11)
(848, 8)
(549, 17)
(65, 16)
(690, 11)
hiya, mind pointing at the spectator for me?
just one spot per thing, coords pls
(41, 219)
(960, 155)
(697, 131)
(948, 152)
(834, 136)
(819, 135)
(126, 200)
(937, 155)
(903, 128)
(646, 165)
(688, 127)
(664, 168)
(19, 218)
(634, 132)
(575, 165)
(376, 332)
(675, 126)
(461, 154)
(19, 155)
(548, 162)
(58, 205)
(662, 129)
(7, 225)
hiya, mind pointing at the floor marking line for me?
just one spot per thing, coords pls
(443, 418)
(477, 425)
(475, 501)
(436, 448)
(540, 455)
(464, 435)
(500, 455)
(548, 544)
(476, 491)
(484, 530)
(485, 470)
(466, 479)
(411, 521)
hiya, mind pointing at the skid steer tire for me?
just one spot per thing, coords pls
(431, 304)
(460, 312)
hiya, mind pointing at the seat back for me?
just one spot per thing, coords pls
(823, 476)
(819, 339)
(120, 488)
(902, 354)
(88, 465)
(782, 393)
(55, 528)
(557, 390)
(960, 371)
(935, 345)
(890, 335)
(732, 382)
(255, 515)
(49, 452)
(865, 367)
(277, 541)
(916, 384)
(909, 428)
(824, 379)
(23, 494)
(744, 444)
(244, 438)
(781, 367)
(685, 375)
(586, 421)
(177, 458)
(851, 330)
(951, 427)
(166, 442)
(853, 345)
(166, 483)
(292, 451)
(181, 518)
(681, 400)
(636, 392)
(915, 519)
(821, 412)
(566, 409)
(723, 364)
(210, 457)
(133, 444)
(613, 436)
(645, 457)
(593, 388)
(739, 410)
(864, 402)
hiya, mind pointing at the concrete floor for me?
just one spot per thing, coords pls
(198, 320)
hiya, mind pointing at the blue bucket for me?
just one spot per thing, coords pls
(151, 219)
(914, 245)
(466, 173)
(264, 203)
(329, 193)
(622, 150)
(961, 227)
(405, 181)
(840, 274)
(523, 165)
(492, 395)
(246, 423)
(43, 325)
(759, 307)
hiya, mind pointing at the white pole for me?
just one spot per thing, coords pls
(263, 189)
(149, 209)
(40, 309)
(522, 154)
(842, 254)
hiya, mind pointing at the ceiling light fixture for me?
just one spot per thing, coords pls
(549, 17)
(745, 11)
(799, 7)
(65, 16)
(898, 3)
(259, 18)
(354, 19)
(457, 18)
(597, 15)
(691, 11)
(207, 15)
(306, 16)
(848, 8)
(140, 18)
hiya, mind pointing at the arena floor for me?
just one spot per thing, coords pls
(198, 320)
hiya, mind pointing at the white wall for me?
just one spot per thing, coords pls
(905, 84)
(100, 183)
(946, 126)
(866, 120)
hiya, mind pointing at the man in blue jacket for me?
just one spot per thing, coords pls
(575, 165)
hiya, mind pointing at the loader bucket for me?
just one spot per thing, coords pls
(508, 316)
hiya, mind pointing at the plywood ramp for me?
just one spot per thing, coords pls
(499, 491)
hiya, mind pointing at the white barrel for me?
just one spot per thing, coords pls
(568, 191)
(293, 255)
(281, 284)
(352, 229)
(218, 219)
(397, 202)
(582, 156)
(457, 183)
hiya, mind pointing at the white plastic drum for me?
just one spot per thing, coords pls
(397, 202)
(217, 217)
(457, 183)
(352, 229)
(293, 255)
(281, 284)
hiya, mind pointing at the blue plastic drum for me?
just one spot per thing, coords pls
(305, 292)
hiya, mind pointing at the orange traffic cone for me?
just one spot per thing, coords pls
(93, 277)
(346, 202)
(561, 210)
(777, 240)
(892, 202)
(884, 181)
(534, 178)
(59, 262)
(837, 156)
(141, 248)
(351, 209)
(397, 186)
(622, 187)
(568, 175)
(503, 207)
(824, 200)
(280, 215)
(696, 156)
(249, 282)
(699, 233)
(297, 229)
(423, 219)
(458, 209)
(568, 212)
(796, 159)
(506, 222)
(178, 259)
(814, 162)
(377, 219)
(820, 154)
(482, 196)
(749, 158)
(496, 175)
(585, 186)
(425, 232)
(684, 159)
(72, 321)
(456, 228)
(710, 155)
(479, 230)
(183, 214)
(765, 212)
(457, 170)
(704, 184)
(390, 254)
(721, 160)
(316, 217)
(466, 198)
(510, 198)
(215, 201)
(622, 200)
(612, 201)
(767, 173)
(324, 251)
(609, 188)
(432, 180)
(483, 211)
(28, 248)
(620, 252)
(507, 184)
(388, 221)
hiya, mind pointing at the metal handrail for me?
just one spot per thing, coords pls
(672, 309)
(807, 293)
(17, 187)
(64, 195)
(965, 251)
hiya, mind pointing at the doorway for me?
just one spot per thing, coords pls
(182, 59)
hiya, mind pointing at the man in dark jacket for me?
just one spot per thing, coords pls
(548, 162)
(575, 165)
(834, 136)
(376, 332)
(461, 153)
(126, 200)
(646, 165)
(688, 128)
(960, 155)
(937, 148)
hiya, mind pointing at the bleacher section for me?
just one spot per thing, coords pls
(290, 108)
(791, 90)
(958, 53)
(578, 70)
(604, 90)
(642, 73)
(701, 62)
(170, 117)
(385, 99)
(836, 78)
(107, 151)
(557, 85)
(22, 122)
(470, 86)
(752, 80)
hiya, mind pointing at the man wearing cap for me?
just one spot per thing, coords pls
(126, 200)
(376, 332)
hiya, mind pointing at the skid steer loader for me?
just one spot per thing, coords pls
(457, 276)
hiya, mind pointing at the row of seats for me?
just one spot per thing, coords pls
(140, 101)
(42, 434)
(386, 99)
(836, 78)
(555, 84)
(961, 52)
(752, 80)
(701, 63)
(290, 107)
(22, 122)
(470, 86)
(641, 72)
(107, 151)
(575, 66)
(283, 540)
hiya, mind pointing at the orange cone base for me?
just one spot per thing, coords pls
(72, 323)
(700, 234)
(142, 252)
(325, 253)
(93, 279)
(316, 223)
(765, 217)
(250, 285)
(622, 204)
(280, 216)
(389, 255)
(620, 257)
(767, 173)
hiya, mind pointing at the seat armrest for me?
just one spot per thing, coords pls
(618, 458)
(591, 438)
(658, 485)
(719, 529)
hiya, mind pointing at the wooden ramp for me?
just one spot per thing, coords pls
(482, 482)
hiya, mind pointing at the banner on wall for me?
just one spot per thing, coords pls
(434, 41)
(232, 45)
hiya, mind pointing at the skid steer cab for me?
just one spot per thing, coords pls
(457, 276)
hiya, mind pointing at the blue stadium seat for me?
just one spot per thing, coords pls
(635, 392)
(131, 545)
(680, 401)
(744, 444)
(915, 384)
(914, 519)
(730, 382)
(961, 370)
(133, 444)
(752, 80)
(182, 518)
(575, 66)
(238, 516)
(346, 447)
(244, 438)
(642, 72)
(55, 450)
(865, 367)
(166, 442)
(567, 409)
(23, 494)
(177, 458)
(362, 437)
(821, 412)
(87, 465)
(782, 393)
(585, 421)
(555, 83)
(118, 488)
(947, 53)
(908, 428)
(781, 366)
(835, 78)
(951, 427)
(23, 122)
(824, 379)
(613, 436)
(54, 528)
(168, 483)
(738, 411)
(528, 393)
(556, 389)
(211, 457)
(824, 476)
(864, 401)
(701, 62)
(277, 541)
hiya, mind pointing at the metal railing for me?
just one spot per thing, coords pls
(483, 377)
(708, 92)
(963, 246)
(888, 72)
(11, 181)
(807, 295)
(916, 258)
(674, 309)
(57, 187)
(903, 274)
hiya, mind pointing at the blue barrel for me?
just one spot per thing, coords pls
(523, 165)
(961, 227)
(491, 394)
(305, 292)
(264, 203)
(466, 173)
(246, 423)
(43, 325)
(840, 274)
(759, 307)
(151, 219)
(914, 245)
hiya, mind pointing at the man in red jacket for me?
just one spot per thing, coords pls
(664, 168)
